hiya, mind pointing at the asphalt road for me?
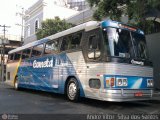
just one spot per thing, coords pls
(37, 102)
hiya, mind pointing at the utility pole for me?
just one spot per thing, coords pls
(23, 16)
(22, 25)
(21, 13)
(3, 51)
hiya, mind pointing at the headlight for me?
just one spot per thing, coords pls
(149, 83)
(122, 82)
(125, 82)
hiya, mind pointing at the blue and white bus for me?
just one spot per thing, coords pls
(105, 60)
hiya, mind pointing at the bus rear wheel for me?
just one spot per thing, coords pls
(73, 90)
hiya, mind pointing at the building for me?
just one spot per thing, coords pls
(77, 4)
(11, 42)
(81, 17)
(42, 10)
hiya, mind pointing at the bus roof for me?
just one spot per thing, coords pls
(120, 25)
(85, 26)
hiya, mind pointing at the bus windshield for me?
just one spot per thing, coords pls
(125, 44)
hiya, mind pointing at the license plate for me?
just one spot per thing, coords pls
(138, 94)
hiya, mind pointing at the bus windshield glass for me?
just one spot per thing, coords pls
(125, 44)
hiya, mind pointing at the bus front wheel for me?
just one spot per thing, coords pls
(73, 90)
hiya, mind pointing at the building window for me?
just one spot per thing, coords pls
(36, 25)
(28, 31)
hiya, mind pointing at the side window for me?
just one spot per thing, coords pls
(26, 53)
(75, 41)
(52, 47)
(71, 42)
(93, 47)
(8, 75)
(37, 50)
(65, 43)
(10, 57)
(17, 56)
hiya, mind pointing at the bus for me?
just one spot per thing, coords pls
(105, 60)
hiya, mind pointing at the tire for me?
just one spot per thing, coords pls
(16, 84)
(73, 90)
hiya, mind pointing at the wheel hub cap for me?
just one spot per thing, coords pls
(72, 90)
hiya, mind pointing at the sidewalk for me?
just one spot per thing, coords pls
(4, 85)
(156, 95)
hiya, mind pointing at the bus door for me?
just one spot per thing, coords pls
(93, 53)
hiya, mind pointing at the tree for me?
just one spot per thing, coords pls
(136, 10)
(52, 26)
(108, 8)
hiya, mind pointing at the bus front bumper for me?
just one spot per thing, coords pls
(121, 95)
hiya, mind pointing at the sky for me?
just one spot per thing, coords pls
(8, 10)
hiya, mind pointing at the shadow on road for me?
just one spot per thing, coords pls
(105, 104)
(40, 93)
(92, 102)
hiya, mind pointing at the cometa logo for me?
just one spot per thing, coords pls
(43, 64)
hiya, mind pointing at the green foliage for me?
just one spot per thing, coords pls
(52, 26)
(108, 8)
(136, 10)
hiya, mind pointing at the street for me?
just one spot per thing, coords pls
(37, 102)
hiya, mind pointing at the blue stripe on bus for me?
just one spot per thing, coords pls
(134, 82)
(47, 73)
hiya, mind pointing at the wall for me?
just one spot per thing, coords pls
(34, 13)
(51, 11)
(81, 17)
(153, 42)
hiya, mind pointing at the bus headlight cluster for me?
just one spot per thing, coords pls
(122, 82)
(149, 83)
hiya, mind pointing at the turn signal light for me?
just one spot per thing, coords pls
(112, 82)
